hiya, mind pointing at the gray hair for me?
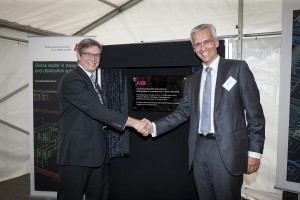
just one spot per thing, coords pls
(202, 27)
(87, 42)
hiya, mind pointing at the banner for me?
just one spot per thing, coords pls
(293, 164)
(288, 155)
(51, 58)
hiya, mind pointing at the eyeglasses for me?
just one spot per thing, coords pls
(205, 43)
(90, 55)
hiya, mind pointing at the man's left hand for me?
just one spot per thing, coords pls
(253, 165)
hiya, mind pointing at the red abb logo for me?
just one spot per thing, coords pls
(141, 82)
(76, 47)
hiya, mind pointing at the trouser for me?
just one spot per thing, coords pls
(212, 179)
(77, 181)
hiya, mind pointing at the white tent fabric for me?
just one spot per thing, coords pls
(14, 110)
(156, 20)
(63, 17)
(263, 57)
(147, 21)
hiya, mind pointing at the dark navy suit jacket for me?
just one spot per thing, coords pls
(238, 115)
(82, 118)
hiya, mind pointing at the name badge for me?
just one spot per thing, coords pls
(229, 83)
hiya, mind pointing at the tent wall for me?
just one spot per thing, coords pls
(14, 110)
(263, 56)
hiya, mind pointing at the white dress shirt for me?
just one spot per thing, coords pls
(213, 72)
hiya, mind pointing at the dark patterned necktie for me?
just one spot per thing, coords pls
(96, 87)
(206, 104)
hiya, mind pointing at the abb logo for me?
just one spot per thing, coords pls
(76, 47)
(141, 82)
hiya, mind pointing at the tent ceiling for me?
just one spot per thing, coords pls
(63, 17)
(145, 21)
(172, 20)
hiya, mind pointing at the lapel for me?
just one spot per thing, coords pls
(221, 78)
(86, 78)
(90, 84)
(196, 93)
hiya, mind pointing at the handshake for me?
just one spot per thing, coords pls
(144, 126)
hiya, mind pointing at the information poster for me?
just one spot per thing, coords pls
(51, 58)
(293, 164)
(288, 154)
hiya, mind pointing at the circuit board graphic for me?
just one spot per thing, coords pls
(46, 77)
(293, 164)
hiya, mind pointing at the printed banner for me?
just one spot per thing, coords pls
(288, 153)
(51, 57)
(293, 164)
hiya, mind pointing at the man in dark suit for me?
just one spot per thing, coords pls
(82, 150)
(234, 140)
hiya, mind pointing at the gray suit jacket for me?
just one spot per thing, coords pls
(238, 116)
(82, 118)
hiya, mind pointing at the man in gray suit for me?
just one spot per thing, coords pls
(233, 141)
(82, 150)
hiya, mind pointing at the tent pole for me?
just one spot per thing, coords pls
(14, 127)
(13, 39)
(14, 92)
(240, 30)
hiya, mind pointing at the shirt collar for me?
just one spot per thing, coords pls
(88, 73)
(214, 65)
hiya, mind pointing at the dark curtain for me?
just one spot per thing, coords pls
(113, 81)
